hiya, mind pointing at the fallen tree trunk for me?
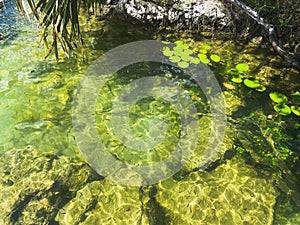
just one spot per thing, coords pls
(270, 31)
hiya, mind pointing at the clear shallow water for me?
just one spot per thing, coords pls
(49, 182)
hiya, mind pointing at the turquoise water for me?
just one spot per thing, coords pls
(253, 180)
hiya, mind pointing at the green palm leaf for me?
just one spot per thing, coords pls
(60, 19)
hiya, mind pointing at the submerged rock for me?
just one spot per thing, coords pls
(104, 202)
(34, 184)
(233, 193)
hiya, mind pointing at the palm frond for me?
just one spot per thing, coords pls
(60, 19)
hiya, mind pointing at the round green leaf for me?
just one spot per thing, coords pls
(278, 97)
(242, 67)
(178, 49)
(188, 51)
(175, 58)
(195, 60)
(203, 51)
(237, 79)
(282, 109)
(215, 58)
(203, 58)
(183, 65)
(167, 52)
(261, 88)
(252, 83)
(185, 57)
(296, 109)
(181, 44)
(206, 47)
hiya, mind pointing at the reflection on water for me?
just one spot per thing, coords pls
(254, 180)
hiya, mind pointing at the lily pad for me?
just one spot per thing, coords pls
(167, 52)
(203, 51)
(215, 58)
(282, 109)
(296, 109)
(183, 65)
(252, 83)
(195, 60)
(237, 78)
(179, 49)
(175, 59)
(261, 88)
(203, 58)
(278, 97)
(183, 45)
(185, 57)
(206, 47)
(242, 67)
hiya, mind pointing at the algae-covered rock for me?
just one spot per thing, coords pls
(233, 193)
(212, 144)
(104, 202)
(33, 184)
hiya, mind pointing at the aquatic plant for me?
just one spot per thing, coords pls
(282, 107)
(183, 56)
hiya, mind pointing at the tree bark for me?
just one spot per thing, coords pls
(270, 31)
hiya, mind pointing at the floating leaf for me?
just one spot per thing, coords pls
(261, 88)
(167, 52)
(206, 47)
(188, 51)
(203, 58)
(215, 58)
(195, 60)
(237, 78)
(278, 97)
(242, 67)
(175, 58)
(183, 65)
(252, 83)
(178, 49)
(181, 44)
(203, 51)
(282, 109)
(296, 109)
(185, 57)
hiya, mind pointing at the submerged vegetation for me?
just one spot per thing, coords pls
(183, 55)
(254, 179)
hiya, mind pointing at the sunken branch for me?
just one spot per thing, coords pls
(270, 31)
